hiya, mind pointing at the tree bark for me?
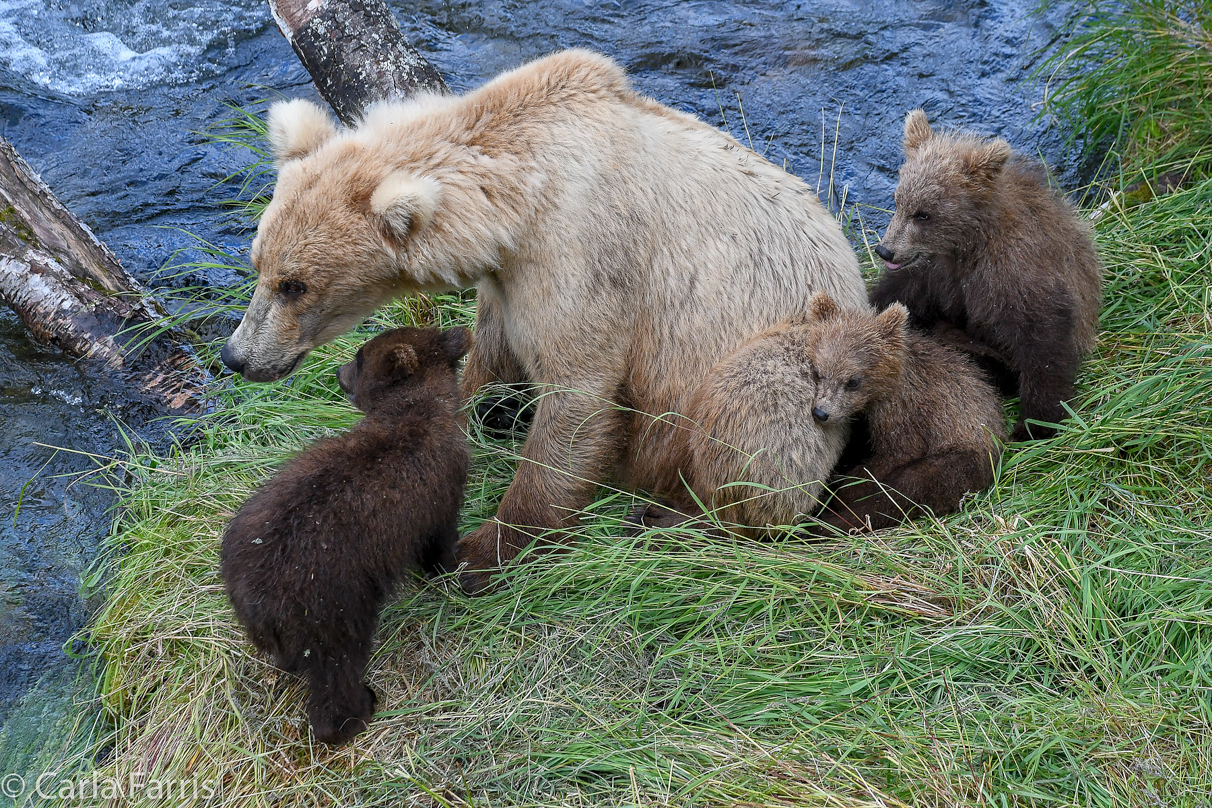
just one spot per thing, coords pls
(71, 292)
(355, 53)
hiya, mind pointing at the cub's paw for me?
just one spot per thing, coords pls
(658, 515)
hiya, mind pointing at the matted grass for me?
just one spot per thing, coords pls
(1051, 645)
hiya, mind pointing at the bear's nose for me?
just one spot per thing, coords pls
(820, 414)
(884, 252)
(229, 358)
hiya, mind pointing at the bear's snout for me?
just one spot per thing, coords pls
(229, 358)
(884, 252)
(820, 414)
(346, 375)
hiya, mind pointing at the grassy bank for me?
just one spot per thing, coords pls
(1051, 645)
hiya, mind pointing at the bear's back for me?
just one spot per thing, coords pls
(362, 503)
(1041, 245)
(941, 399)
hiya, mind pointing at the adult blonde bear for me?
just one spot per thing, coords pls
(619, 249)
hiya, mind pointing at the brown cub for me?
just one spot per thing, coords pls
(310, 559)
(983, 252)
(936, 425)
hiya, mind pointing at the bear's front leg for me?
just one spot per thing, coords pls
(908, 288)
(572, 447)
(491, 360)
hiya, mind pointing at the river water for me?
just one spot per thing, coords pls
(104, 97)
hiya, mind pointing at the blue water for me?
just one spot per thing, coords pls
(104, 99)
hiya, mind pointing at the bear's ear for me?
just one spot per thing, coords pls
(822, 306)
(985, 161)
(456, 342)
(917, 130)
(890, 323)
(404, 359)
(297, 128)
(404, 202)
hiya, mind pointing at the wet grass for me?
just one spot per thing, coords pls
(1050, 645)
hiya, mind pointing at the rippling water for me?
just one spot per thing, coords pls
(102, 97)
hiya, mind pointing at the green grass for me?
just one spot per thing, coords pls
(1136, 78)
(1051, 645)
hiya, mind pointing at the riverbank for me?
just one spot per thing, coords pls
(1052, 644)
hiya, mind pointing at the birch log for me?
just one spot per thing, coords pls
(72, 292)
(355, 53)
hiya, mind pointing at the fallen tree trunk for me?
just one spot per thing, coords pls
(72, 292)
(355, 53)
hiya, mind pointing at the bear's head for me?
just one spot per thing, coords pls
(945, 182)
(331, 242)
(404, 364)
(856, 356)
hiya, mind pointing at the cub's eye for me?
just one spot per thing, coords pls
(816, 376)
(922, 216)
(358, 359)
(853, 383)
(292, 288)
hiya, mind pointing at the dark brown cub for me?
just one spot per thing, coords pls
(311, 558)
(935, 425)
(983, 252)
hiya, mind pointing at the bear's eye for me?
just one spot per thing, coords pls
(853, 383)
(292, 288)
(922, 216)
(816, 376)
(358, 359)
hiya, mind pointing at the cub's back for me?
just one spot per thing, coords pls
(943, 399)
(363, 500)
(1047, 243)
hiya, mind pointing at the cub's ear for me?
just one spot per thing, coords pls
(456, 342)
(404, 202)
(985, 161)
(404, 359)
(917, 130)
(822, 306)
(297, 128)
(890, 323)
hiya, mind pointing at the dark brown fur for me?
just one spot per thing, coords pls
(935, 425)
(982, 250)
(310, 559)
